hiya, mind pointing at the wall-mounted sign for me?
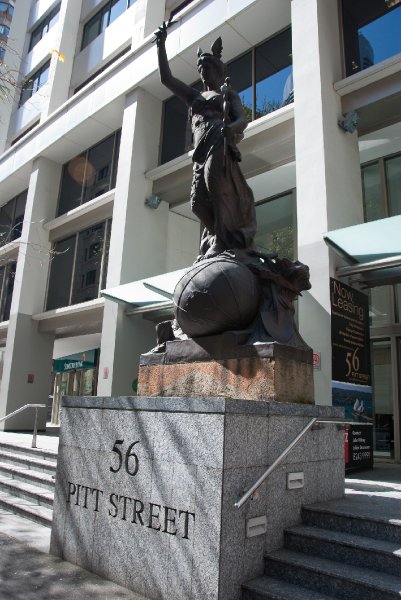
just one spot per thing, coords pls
(81, 360)
(349, 334)
(351, 370)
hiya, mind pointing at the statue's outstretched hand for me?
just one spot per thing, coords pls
(161, 34)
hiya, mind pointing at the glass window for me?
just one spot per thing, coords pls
(98, 169)
(72, 182)
(240, 73)
(274, 86)
(393, 180)
(90, 174)
(177, 137)
(19, 215)
(276, 226)
(61, 267)
(78, 266)
(6, 221)
(117, 9)
(4, 30)
(91, 30)
(371, 32)
(34, 83)
(5, 7)
(7, 292)
(45, 25)
(372, 192)
(102, 19)
(383, 398)
(88, 264)
(11, 218)
(380, 306)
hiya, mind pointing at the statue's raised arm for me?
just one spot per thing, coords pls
(179, 88)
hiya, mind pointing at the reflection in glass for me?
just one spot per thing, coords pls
(98, 169)
(240, 73)
(276, 226)
(88, 264)
(380, 305)
(383, 398)
(274, 86)
(372, 193)
(90, 174)
(371, 32)
(19, 215)
(7, 291)
(61, 266)
(393, 180)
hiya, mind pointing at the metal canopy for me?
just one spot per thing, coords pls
(146, 295)
(372, 249)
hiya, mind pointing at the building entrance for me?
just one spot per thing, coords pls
(386, 371)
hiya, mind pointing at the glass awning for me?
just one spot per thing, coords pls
(151, 292)
(373, 250)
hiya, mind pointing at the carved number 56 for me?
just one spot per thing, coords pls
(131, 461)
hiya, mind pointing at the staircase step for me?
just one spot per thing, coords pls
(26, 509)
(35, 494)
(329, 577)
(26, 450)
(345, 547)
(267, 588)
(342, 516)
(37, 464)
(44, 480)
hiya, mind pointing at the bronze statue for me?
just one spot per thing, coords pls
(220, 196)
(232, 285)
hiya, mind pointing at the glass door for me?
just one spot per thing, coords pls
(383, 397)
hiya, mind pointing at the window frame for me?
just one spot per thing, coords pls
(85, 154)
(32, 83)
(384, 196)
(99, 15)
(106, 236)
(42, 28)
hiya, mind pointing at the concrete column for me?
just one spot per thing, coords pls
(137, 244)
(60, 72)
(13, 59)
(329, 193)
(27, 350)
(153, 12)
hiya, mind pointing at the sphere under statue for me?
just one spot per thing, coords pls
(216, 295)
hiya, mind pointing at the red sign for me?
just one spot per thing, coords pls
(316, 360)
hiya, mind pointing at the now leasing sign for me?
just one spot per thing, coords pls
(351, 370)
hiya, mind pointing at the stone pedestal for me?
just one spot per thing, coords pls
(219, 366)
(146, 487)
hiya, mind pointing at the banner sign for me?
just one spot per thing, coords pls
(349, 334)
(351, 371)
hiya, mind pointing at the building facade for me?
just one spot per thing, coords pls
(95, 172)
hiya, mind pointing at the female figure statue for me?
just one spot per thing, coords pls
(220, 196)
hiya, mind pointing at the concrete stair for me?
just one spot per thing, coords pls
(342, 550)
(27, 482)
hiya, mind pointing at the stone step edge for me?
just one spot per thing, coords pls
(26, 490)
(46, 465)
(24, 474)
(32, 512)
(346, 573)
(344, 538)
(278, 589)
(350, 515)
(34, 452)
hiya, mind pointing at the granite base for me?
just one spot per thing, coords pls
(145, 488)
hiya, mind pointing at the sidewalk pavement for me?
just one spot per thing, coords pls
(28, 572)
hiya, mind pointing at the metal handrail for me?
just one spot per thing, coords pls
(278, 460)
(35, 427)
